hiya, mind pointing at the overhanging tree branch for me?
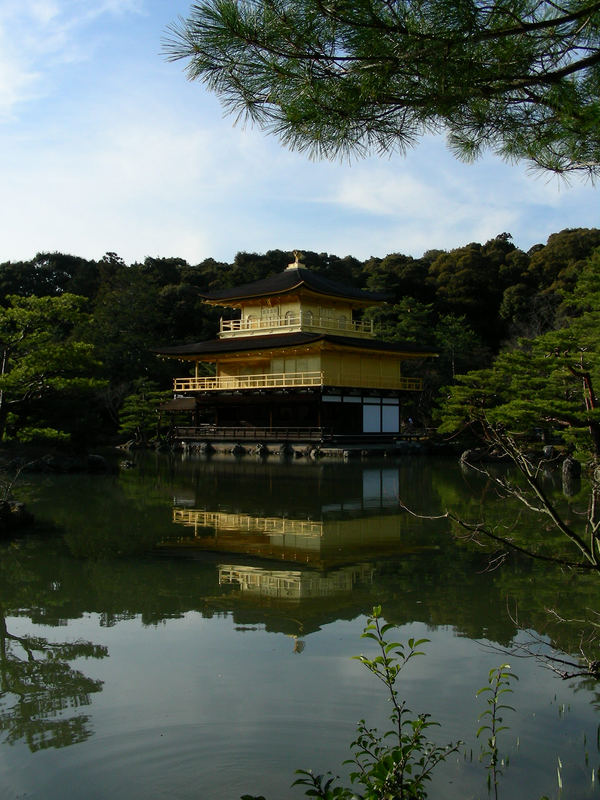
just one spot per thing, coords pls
(517, 77)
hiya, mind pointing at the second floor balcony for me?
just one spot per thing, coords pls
(244, 523)
(275, 380)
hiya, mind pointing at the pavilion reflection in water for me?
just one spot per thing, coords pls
(294, 584)
(333, 544)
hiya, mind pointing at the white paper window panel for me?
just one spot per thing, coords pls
(371, 419)
(390, 419)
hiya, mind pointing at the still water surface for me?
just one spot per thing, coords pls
(185, 629)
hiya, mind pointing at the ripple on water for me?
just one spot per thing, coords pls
(170, 761)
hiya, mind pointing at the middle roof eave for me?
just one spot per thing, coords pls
(243, 344)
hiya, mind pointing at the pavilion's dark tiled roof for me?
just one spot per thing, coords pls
(244, 344)
(294, 278)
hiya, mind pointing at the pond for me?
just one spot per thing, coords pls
(186, 629)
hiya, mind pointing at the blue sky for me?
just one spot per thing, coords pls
(106, 146)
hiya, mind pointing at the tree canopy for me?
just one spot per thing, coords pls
(41, 357)
(349, 77)
(550, 381)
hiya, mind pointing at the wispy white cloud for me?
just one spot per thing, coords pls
(37, 35)
(17, 79)
(43, 11)
(142, 182)
(431, 201)
(420, 214)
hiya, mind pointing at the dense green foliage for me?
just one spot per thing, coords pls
(521, 77)
(548, 381)
(69, 375)
(139, 416)
(45, 366)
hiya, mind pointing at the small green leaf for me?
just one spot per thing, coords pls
(393, 646)
(370, 636)
(385, 628)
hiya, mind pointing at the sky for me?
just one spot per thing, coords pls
(106, 146)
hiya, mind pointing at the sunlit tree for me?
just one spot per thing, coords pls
(40, 354)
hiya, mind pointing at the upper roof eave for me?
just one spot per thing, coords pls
(291, 279)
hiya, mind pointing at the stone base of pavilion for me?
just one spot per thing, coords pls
(298, 442)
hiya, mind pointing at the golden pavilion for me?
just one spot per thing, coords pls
(299, 364)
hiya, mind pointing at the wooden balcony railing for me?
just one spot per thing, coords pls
(297, 322)
(291, 379)
(233, 383)
(362, 382)
(246, 523)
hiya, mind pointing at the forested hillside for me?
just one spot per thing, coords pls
(76, 336)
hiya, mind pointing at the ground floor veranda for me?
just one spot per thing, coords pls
(309, 414)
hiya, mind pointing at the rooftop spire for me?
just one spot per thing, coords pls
(296, 263)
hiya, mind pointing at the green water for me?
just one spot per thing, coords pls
(185, 629)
